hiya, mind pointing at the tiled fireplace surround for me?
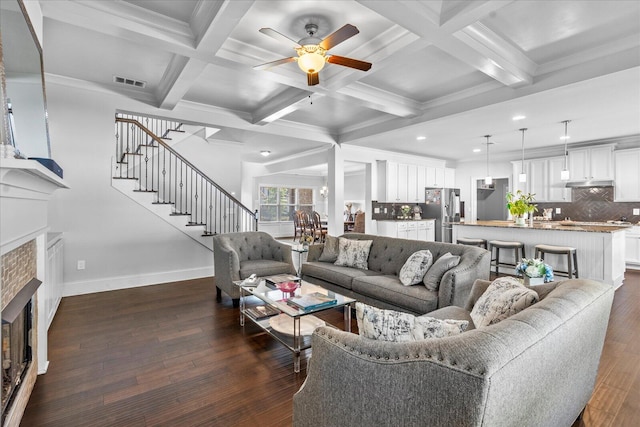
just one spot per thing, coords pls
(19, 266)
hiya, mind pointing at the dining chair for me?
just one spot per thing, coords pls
(298, 228)
(319, 232)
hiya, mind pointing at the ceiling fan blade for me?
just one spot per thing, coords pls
(268, 65)
(349, 62)
(313, 79)
(278, 36)
(338, 36)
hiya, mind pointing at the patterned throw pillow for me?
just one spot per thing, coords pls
(505, 297)
(389, 325)
(414, 269)
(330, 249)
(440, 266)
(353, 253)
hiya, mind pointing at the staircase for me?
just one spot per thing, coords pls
(147, 170)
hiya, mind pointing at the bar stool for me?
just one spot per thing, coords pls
(501, 244)
(571, 253)
(472, 242)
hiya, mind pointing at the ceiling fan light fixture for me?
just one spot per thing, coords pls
(311, 58)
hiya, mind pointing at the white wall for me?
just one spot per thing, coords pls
(354, 191)
(219, 161)
(122, 243)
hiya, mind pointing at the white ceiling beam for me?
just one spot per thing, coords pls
(462, 14)
(179, 75)
(182, 73)
(282, 104)
(411, 15)
(113, 18)
(499, 51)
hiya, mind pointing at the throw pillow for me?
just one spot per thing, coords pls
(330, 249)
(389, 325)
(353, 253)
(505, 297)
(414, 269)
(440, 266)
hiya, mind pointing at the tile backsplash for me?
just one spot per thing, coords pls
(592, 204)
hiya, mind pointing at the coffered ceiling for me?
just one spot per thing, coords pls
(450, 71)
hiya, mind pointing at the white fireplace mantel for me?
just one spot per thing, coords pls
(25, 189)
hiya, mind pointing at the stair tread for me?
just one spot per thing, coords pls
(162, 203)
(179, 213)
(145, 191)
(192, 224)
(122, 177)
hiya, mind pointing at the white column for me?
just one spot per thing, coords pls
(335, 163)
(370, 179)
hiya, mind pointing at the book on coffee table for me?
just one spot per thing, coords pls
(312, 301)
(279, 278)
(261, 311)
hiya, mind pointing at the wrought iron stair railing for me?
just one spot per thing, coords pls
(144, 156)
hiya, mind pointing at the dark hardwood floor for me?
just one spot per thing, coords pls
(170, 355)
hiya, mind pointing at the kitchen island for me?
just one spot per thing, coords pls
(600, 246)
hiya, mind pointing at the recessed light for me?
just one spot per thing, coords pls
(476, 150)
(265, 153)
(565, 137)
(421, 138)
(520, 117)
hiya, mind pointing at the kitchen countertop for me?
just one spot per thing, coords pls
(593, 227)
(407, 220)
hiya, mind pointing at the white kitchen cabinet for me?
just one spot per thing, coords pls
(422, 183)
(434, 176)
(632, 247)
(403, 190)
(556, 189)
(449, 178)
(627, 175)
(414, 230)
(51, 290)
(543, 179)
(537, 179)
(593, 163)
(412, 183)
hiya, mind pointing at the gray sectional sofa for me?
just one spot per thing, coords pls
(380, 285)
(535, 368)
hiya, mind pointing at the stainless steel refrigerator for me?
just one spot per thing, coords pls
(443, 204)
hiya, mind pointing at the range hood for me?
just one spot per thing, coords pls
(591, 183)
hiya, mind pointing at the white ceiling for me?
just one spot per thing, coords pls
(451, 71)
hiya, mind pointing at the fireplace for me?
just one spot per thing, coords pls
(16, 353)
(17, 340)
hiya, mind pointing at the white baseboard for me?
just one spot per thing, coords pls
(124, 282)
(43, 369)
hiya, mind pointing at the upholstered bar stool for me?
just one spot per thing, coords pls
(501, 244)
(572, 258)
(472, 242)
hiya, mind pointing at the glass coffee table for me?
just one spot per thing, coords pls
(289, 325)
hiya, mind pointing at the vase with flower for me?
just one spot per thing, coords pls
(534, 271)
(520, 204)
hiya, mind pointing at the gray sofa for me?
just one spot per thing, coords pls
(380, 285)
(236, 256)
(536, 368)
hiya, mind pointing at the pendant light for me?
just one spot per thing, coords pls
(523, 176)
(488, 180)
(564, 174)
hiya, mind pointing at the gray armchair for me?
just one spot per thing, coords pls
(236, 256)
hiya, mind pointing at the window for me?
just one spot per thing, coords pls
(279, 203)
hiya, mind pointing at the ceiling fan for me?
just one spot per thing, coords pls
(312, 52)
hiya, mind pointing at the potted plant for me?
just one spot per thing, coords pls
(520, 204)
(534, 271)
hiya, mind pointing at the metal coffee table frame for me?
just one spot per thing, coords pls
(275, 298)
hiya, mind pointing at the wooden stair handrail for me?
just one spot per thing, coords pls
(167, 147)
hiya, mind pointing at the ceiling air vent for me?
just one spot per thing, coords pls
(129, 82)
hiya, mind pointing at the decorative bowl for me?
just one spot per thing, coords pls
(287, 286)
